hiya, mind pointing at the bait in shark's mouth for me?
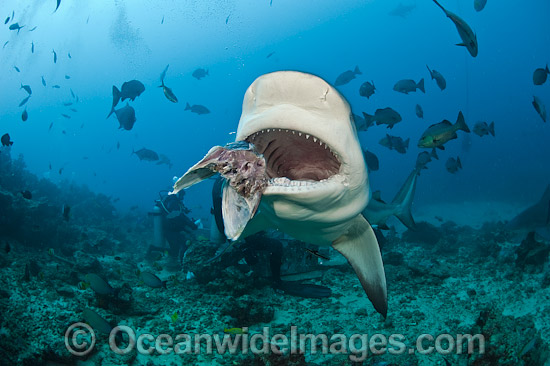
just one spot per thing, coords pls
(244, 170)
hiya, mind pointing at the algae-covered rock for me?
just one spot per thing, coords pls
(248, 310)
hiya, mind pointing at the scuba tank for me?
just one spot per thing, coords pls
(158, 231)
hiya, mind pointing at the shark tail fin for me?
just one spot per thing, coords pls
(461, 123)
(420, 85)
(403, 200)
(430, 71)
(187, 107)
(360, 247)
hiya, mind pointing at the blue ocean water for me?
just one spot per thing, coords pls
(111, 42)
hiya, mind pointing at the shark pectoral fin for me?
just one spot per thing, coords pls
(360, 247)
(461, 44)
(237, 210)
(200, 171)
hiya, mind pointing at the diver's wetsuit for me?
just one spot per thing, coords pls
(260, 242)
(175, 224)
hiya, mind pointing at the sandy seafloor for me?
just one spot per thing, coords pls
(469, 284)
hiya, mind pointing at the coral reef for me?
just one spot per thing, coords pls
(447, 279)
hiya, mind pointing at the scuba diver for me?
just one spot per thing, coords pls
(251, 247)
(171, 224)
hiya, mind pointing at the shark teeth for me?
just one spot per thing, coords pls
(299, 133)
(285, 182)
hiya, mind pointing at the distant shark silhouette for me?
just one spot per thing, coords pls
(318, 184)
(402, 10)
(377, 211)
(535, 218)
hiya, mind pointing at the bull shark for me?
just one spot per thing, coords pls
(317, 182)
(535, 218)
(378, 211)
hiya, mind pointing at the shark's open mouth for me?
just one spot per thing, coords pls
(295, 155)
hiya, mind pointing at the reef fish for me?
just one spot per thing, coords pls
(130, 90)
(469, 39)
(395, 143)
(146, 154)
(482, 128)
(407, 86)
(95, 320)
(360, 123)
(24, 101)
(196, 108)
(126, 117)
(200, 73)
(27, 88)
(540, 75)
(479, 4)
(152, 280)
(168, 93)
(453, 165)
(99, 285)
(17, 27)
(384, 116)
(372, 161)
(438, 134)
(347, 76)
(419, 111)
(539, 107)
(423, 158)
(6, 140)
(367, 89)
(439, 79)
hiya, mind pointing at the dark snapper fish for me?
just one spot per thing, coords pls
(469, 39)
(246, 178)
